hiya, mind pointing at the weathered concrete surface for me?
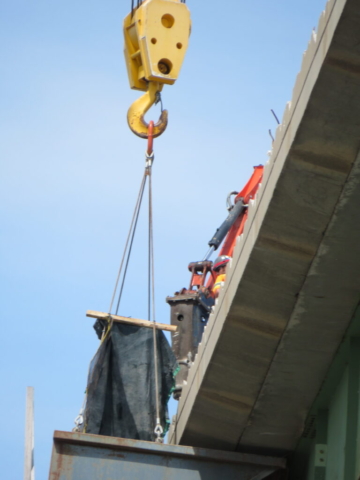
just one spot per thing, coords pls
(294, 281)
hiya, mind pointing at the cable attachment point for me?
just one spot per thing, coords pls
(79, 420)
(148, 162)
(149, 154)
(158, 432)
(159, 99)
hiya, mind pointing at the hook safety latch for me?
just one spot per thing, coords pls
(136, 113)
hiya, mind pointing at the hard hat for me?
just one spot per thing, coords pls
(220, 262)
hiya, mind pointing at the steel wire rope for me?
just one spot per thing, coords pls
(131, 234)
(151, 303)
(130, 247)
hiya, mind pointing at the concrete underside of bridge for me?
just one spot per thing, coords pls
(294, 281)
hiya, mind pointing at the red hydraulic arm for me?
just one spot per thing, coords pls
(246, 194)
(228, 232)
(201, 272)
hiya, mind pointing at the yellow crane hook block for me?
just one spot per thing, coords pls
(156, 39)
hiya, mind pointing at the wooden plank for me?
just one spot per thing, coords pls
(131, 321)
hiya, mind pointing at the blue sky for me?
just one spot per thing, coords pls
(71, 170)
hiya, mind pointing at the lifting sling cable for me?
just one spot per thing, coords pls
(151, 276)
(151, 302)
(130, 234)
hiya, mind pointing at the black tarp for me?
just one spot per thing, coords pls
(121, 384)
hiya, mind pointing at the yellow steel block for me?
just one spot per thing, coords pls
(132, 53)
(156, 40)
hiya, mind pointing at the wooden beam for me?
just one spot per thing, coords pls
(131, 321)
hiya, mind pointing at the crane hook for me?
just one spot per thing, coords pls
(136, 113)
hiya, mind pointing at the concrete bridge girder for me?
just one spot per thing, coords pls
(293, 284)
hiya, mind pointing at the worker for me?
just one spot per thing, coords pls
(219, 268)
